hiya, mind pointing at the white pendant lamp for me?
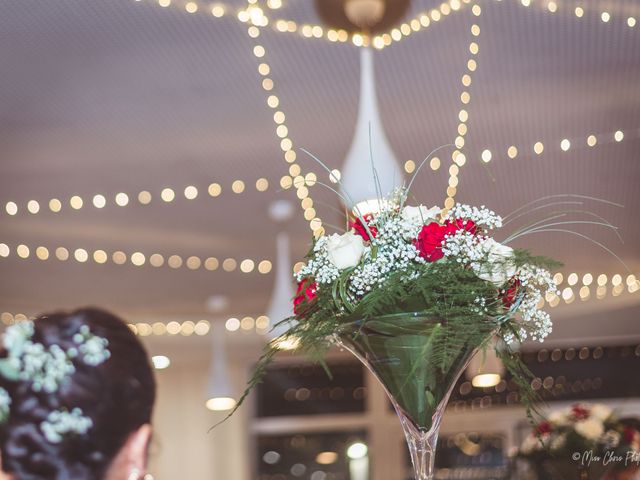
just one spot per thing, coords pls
(485, 369)
(281, 304)
(220, 396)
(369, 140)
(364, 13)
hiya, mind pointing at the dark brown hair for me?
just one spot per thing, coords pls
(117, 395)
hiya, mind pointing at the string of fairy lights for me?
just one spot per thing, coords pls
(419, 22)
(458, 157)
(573, 286)
(608, 13)
(121, 199)
(539, 148)
(136, 258)
(295, 179)
(214, 190)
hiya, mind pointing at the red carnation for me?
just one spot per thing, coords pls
(459, 224)
(430, 238)
(544, 428)
(361, 230)
(429, 241)
(509, 296)
(307, 291)
(579, 412)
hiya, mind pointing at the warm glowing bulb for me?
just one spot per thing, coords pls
(160, 362)
(33, 206)
(122, 199)
(486, 380)
(326, 458)
(167, 195)
(220, 404)
(538, 148)
(357, 450)
(190, 192)
(99, 201)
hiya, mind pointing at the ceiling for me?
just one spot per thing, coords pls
(125, 96)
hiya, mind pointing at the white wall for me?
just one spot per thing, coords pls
(182, 446)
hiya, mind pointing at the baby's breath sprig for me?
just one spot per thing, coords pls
(46, 369)
(61, 422)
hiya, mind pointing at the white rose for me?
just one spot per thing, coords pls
(530, 445)
(498, 265)
(419, 215)
(345, 250)
(590, 429)
(558, 443)
(601, 412)
(559, 418)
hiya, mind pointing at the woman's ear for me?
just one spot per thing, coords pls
(3, 475)
(131, 460)
(137, 447)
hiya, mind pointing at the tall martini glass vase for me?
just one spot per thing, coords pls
(418, 360)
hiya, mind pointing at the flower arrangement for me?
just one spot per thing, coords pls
(414, 249)
(584, 434)
(430, 278)
(414, 292)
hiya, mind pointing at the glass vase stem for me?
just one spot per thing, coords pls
(422, 447)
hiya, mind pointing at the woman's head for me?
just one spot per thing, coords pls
(84, 416)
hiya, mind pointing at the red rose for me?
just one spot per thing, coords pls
(509, 296)
(429, 241)
(629, 435)
(579, 412)
(307, 291)
(360, 229)
(544, 428)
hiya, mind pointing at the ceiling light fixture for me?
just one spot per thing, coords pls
(280, 306)
(369, 146)
(485, 369)
(219, 392)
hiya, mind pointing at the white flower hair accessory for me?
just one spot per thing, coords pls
(46, 369)
(61, 422)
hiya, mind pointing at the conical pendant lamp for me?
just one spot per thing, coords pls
(485, 369)
(281, 306)
(370, 140)
(220, 394)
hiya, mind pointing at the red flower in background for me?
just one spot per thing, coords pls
(579, 412)
(629, 434)
(360, 229)
(509, 296)
(307, 291)
(430, 238)
(544, 428)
